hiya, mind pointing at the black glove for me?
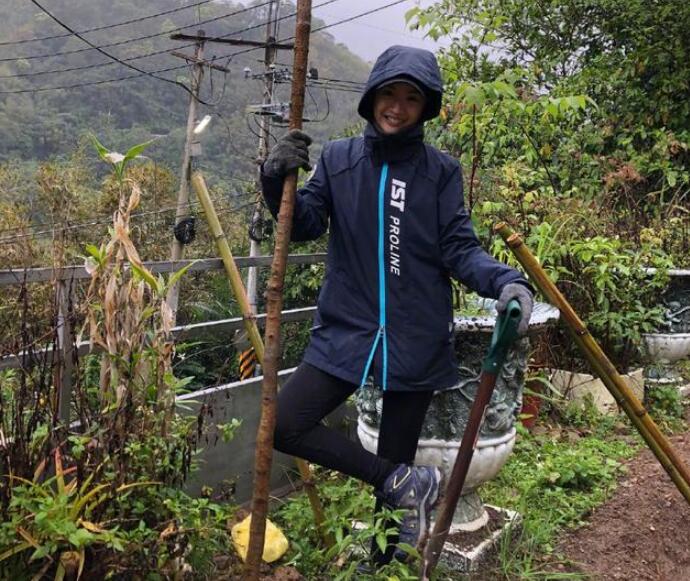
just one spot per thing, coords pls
(523, 296)
(291, 152)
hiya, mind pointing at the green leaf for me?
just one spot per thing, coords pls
(381, 542)
(146, 275)
(136, 150)
(410, 550)
(473, 96)
(176, 276)
(14, 550)
(672, 178)
(102, 151)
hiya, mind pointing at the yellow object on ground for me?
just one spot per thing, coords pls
(275, 542)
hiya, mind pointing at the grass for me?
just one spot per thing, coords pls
(554, 478)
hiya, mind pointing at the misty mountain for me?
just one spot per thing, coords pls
(55, 90)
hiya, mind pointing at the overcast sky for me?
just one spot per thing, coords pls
(370, 35)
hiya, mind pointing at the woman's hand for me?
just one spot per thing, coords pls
(523, 296)
(290, 153)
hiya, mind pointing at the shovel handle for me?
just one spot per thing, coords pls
(505, 333)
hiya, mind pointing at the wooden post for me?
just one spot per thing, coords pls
(63, 359)
(264, 440)
(264, 132)
(177, 249)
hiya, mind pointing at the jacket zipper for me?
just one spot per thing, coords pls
(381, 333)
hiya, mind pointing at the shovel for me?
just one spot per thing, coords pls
(503, 337)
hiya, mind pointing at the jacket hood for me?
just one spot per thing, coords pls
(404, 61)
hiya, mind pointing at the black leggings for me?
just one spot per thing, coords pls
(310, 394)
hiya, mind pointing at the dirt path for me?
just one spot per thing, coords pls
(642, 532)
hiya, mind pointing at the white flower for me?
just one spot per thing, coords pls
(114, 157)
(90, 265)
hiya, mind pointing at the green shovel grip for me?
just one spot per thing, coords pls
(505, 333)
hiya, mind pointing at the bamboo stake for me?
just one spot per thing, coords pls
(625, 398)
(264, 439)
(252, 329)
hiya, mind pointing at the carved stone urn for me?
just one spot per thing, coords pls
(672, 343)
(447, 416)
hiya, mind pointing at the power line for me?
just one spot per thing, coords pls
(120, 42)
(153, 73)
(100, 50)
(367, 13)
(107, 26)
(124, 61)
(79, 226)
(105, 218)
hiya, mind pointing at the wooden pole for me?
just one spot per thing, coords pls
(65, 352)
(601, 364)
(182, 212)
(264, 134)
(264, 439)
(505, 333)
(449, 502)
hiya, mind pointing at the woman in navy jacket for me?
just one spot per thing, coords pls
(398, 231)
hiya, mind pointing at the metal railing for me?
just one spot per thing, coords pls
(61, 354)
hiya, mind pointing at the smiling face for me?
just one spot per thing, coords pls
(397, 106)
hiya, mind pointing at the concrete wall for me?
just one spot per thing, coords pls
(229, 467)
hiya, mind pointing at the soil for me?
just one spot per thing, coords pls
(641, 533)
(466, 541)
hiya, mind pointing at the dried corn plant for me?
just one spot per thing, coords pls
(130, 323)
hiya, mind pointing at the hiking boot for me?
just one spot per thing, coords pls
(416, 489)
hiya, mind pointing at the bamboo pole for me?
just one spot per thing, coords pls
(601, 364)
(264, 439)
(249, 318)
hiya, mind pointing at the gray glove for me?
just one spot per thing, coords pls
(291, 152)
(523, 296)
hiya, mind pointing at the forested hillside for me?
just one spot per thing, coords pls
(39, 122)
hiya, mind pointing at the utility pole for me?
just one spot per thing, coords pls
(182, 213)
(264, 132)
(198, 62)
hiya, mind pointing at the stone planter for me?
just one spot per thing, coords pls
(672, 343)
(447, 416)
(578, 387)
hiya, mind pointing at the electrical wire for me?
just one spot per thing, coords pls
(230, 140)
(107, 26)
(142, 72)
(107, 217)
(100, 50)
(193, 205)
(122, 42)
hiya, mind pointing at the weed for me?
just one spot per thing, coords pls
(665, 405)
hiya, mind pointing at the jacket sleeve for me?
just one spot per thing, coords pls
(461, 252)
(312, 203)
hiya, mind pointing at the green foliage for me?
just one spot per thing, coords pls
(52, 517)
(665, 405)
(554, 480)
(112, 505)
(228, 429)
(46, 124)
(567, 134)
(579, 102)
(350, 519)
(118, 161)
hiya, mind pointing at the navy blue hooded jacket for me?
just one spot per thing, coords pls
(398, 231)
